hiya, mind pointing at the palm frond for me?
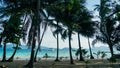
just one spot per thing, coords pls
(97, 7)
(94, 42)
(64, 34)
(30, 36)
(44, 30)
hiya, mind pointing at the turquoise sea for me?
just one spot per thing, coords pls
(24, 53)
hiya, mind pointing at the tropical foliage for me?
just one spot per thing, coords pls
(108, 11)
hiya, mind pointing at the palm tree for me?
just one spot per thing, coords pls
(80, 48)
(60, 29)
(12, 57)
(57, 46)
(12, 32)
(4, 53)
(89, 33)
(57, 33)
(82, 21)
(40, 41)
(30, 10)
(107, 17)
(70, 48)
(39, 15)
(85, 27)
(17, 33)
(33, 27)
(16, 40)
(21, 6)
(91, 56)
(69, 39)
(67, 12)
(3, 34)
(31, 61)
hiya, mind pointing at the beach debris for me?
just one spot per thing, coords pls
(3, 66)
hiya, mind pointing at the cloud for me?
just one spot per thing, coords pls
(50, 41)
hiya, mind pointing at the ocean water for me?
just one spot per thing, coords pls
(24, 53)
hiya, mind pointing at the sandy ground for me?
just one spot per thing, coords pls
(63, 64)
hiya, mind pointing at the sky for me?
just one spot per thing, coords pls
(51, 42)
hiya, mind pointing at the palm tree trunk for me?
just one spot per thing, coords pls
(4, 52)
(37, 21)
(57, 45)
(30, 64)
(39, 40)
(31, 61)
(34, 24)
(80, 49)
(70, 48)
(111, 48)
(91, 56)
(35, 58)
(11, 58)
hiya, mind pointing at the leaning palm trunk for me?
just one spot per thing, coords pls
(104, 32)
(108, 42)
(111, 48)
(35, 58)
(12, 57)
(81, 57)
(70, 48)
(35, 23)
(91, 56)
(4, 52)
(31, 61)
(30, 64)
(57, 45)
(103, 26)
